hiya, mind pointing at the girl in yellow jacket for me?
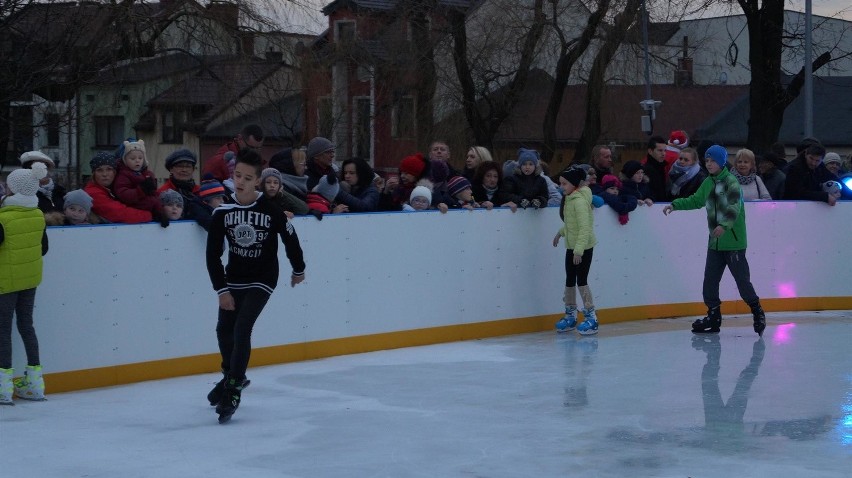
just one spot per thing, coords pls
(579, 234)
(23, 241)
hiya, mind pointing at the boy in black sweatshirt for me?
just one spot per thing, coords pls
(251, 226)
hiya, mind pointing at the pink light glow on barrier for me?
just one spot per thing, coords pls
(787, 290)
(782, 333)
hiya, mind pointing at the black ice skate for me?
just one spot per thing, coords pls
(759, 319)
(709, 324)
(230, 400)
(215, 395)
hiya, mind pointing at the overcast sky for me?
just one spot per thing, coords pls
(305, 16)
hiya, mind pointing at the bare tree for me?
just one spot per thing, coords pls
(596, 85)
(489, 94)
(570, 50)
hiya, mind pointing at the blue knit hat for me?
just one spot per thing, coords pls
(718, 154)
(525, 155)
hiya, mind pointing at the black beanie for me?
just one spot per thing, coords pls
(574, 176)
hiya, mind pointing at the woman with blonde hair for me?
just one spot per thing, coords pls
(476, 155)
(745, 170)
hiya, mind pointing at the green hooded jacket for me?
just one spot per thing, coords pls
(723, 198)
(579, 227)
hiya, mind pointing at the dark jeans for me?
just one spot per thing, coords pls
(234, 329)
(19, 304)
(736, 262)
(577, 275)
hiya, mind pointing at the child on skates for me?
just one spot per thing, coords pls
(579, 234)
(720, 193)
(251, 225)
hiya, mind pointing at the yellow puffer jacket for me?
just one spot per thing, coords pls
(579, 227)
(20, 251)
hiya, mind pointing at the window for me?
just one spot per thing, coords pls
(362, 130)
(22, 128)
(325, 118)
(109, 131)
(173, 126)
(345, 32)
(51, 121)
(402, 118)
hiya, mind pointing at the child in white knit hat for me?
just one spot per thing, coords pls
(23, 242)
(135, 185)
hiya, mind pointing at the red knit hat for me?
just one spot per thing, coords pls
(413, 165)
(610, 180)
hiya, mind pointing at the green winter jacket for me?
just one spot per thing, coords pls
(20, 251)
(723, 198)
(579, 227)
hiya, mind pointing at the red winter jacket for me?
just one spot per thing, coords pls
(105, 205)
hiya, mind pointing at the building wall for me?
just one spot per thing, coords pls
(123, 303)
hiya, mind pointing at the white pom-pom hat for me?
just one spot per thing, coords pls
(25, 181)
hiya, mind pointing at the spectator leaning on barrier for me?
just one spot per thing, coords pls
(135, 185)
(770, 167)
(745, 171)
(172, 204)
(612, 195)
(833, 163)
(104, 203)
(721, 195)
(526, 187)
(686, 174)
(488, 189)
(357, 192)
(806, 176)
(272, 185)
(476, 155)
(50, 193)
(78, 209)
(420, 199)
(654, 167)
(636, 183)
(23, 242)
(292, 165)
(251, 137)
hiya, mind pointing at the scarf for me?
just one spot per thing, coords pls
(19, 200)
(747, 179)
(184, 187)
(681, 175)
(47, 189)
(489, 192)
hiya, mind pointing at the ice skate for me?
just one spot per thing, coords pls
(31, 385)
(589, 326)
(215, 395)
(569, 321)
(230, 400)
(6, 387)
(759, 319)
(709, 324)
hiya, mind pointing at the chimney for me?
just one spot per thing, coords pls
(224, 12)
(683, 74)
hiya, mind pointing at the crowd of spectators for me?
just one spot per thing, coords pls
(309, 182)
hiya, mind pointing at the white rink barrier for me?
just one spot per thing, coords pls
(123, 303)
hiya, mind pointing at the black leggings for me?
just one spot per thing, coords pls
(577, 275)
(234, 329)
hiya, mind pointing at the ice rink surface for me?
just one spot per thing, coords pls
(640, 399)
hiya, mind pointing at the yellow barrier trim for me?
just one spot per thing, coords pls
(278, 354)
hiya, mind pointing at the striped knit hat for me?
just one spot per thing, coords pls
(210, 189)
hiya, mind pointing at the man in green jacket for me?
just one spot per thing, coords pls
(720, 193)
